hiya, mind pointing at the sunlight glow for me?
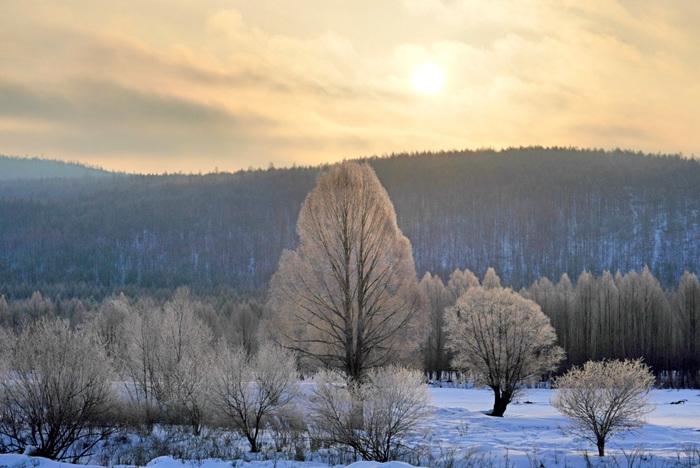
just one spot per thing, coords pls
(428, 78)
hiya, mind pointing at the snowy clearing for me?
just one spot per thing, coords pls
(531, 434)
(532, 430)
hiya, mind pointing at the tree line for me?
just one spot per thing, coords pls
(595, 317)
(620, 316)
(527, 212)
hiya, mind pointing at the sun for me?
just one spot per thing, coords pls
(428, 78)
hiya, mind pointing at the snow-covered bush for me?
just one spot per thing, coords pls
(604, 397)
(373, 416)
(249, 390)
(55, 395)
(501, 339)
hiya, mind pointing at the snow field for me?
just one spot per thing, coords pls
(458, 432)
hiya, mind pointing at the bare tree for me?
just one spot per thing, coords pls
(686, 307)
(56, 394)
(166, 357)
(502, 339)
(137, 365)
(604, 397)
(436, 298)
(347, 297)
(249, 390)
(6, 344)
(625, 316)
(5, 316)
(182, 359)
(392, 401)
(110, 325)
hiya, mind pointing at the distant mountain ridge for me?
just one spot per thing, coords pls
(528, 212)
(19, 168)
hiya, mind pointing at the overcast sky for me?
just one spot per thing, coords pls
(190, 85)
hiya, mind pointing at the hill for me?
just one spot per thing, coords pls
(528, 212)
(14, 168)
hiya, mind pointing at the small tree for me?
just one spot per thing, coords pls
(57, 392)
(604, 397)
(502, 339)
(249, 390)
(391, 401)
(182, 360)
(137, 364)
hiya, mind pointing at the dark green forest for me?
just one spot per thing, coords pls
(528, 212)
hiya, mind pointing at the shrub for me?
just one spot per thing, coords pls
(250, 390)
(56, 394)
(374, 416)
(604, 397)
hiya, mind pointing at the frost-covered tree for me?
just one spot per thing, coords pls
(58, 391)
(460, 281)
(110, 325)
(491, 279)
(502, 340)
(390, 401)
(347, 297)
(604, 397)
(137, 365)
(6, 343)
(249, 390)
(686, 308)
(182, 359)
(621, 316)
(436, 298)
(166, 359)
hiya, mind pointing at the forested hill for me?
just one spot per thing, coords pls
(528, 212)
(13, 168)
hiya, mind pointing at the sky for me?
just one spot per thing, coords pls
(199, 85)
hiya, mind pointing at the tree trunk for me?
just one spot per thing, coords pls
(601, 447)
(500, 403)
(253, 444)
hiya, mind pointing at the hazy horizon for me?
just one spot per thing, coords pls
(190, 86)
(369, 157)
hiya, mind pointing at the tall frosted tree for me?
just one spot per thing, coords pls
(347, 296)
(624, 316)
(686, 306)
(436, 298)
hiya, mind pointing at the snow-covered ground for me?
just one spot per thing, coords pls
(535, 431)
(532, 434)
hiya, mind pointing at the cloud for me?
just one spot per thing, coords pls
(92, 102)
(190, 85)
